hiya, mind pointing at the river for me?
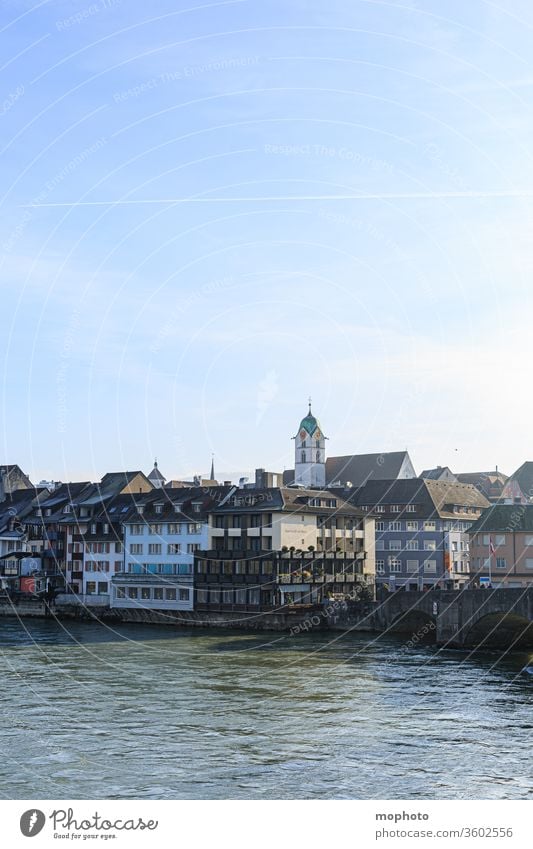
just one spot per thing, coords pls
(92, 712)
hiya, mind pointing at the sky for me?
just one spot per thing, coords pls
(211, 211)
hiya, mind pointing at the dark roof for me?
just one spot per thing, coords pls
(286, 499)
(489, 483)
(524, 478)
(65, 493)
(505, 517)
(433, 498)
(360, 468)
(437, 474)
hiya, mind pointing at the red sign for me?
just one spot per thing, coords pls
(27, 585)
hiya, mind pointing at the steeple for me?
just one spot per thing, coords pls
(212, 467)
(310, 452)
(155, 477)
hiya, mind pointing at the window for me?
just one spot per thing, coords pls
(195, 528)
(184, 595)
(158, 593)
(395, 526)
(253, 596)
(501, 562)
(121, 592)
(133, 592)
(499, 539)
(155, 529)
(395, 508)
(219, 522)
(380, 508)
(412, 545)
(93, 529)
(529, 563)
(380, 566)
(154, 548)
(412, 526)
(136, 548)
(395, 565)
(380, 526)
(106, 528)
(174, 548)
(303, 460)
(410, 508)
(430, 526)
(412, 565)
(430, 566)
(430, 545)
(136, 530)
(145, 593)
(240, 596)
(158, 508)
(235, 521)
(174, 528)
(192, 547)
(170, 595)
(103, 587)
(380, 545)
(486, 539)
(455, 546)
(395, 545)
(528, 540)
(118, 547)
(196, 506)
(118, 565)
(90, 587)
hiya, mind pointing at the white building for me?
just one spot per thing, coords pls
(310, 453)
(161, 535)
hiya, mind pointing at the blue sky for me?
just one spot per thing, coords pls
(376, 254)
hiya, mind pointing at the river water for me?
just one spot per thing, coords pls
(91, 712)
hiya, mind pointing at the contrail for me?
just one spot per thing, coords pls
(521, 193)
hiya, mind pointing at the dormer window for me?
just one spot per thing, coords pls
(48, 511)
(178, 507)
(67, 508)
(196, 506)
(158, 508)
(93, 528)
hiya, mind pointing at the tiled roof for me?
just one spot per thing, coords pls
(505, 517)
(360, 468)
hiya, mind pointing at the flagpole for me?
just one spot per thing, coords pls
(491, 549)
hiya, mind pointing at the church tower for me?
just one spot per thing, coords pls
(310, 453)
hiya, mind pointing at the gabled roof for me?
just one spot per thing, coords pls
(360, 468)
(432, 498)
(489, 483)
(439, 473)
(524, 478)
(505, 517)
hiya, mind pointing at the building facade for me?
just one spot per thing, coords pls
(501, 547)
(278, 546)
(421, 531)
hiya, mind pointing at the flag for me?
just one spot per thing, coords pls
(491, 546)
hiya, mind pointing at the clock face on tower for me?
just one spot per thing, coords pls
(303, 434)
(317, 434)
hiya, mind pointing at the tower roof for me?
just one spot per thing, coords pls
(310, 423)
(155, 474)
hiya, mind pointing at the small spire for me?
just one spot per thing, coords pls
(212, 467)
(155, 463)
(309, 405)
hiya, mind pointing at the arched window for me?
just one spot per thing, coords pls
(303, 460)
(318, 456)
(304, 444)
